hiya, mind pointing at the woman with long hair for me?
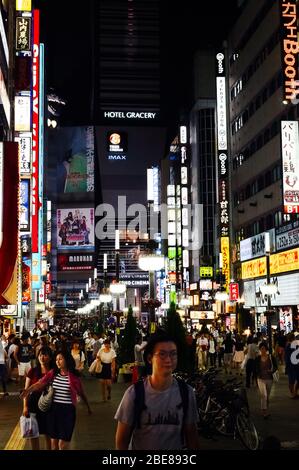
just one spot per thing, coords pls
(30, 404)
(66, 385)
(266, 365)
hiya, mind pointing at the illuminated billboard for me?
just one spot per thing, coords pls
(282, 262)
(75, 229)
(23, 33)
(22, 113)
(35, 202)
(24, 213)
(290, 165)
(225, 260)
(26, 280)
(75, 261)
(9, 202)
(73, 149)
(289, 47)
(23, 5)
(24, 141)
(145, 148)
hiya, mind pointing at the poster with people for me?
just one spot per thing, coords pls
(75, 229)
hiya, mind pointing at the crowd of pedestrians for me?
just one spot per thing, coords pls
(61, 358)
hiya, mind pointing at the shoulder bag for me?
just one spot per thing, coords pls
(46, 398)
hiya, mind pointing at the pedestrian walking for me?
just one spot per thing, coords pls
(161, 421)
(229, 349)
(291, 368)
(23, 355)
(66, 385)
(3, 370)
(239, 356)
(251, 351)
(266, 365)
(107, 357)
(78, 355)
(30, 404)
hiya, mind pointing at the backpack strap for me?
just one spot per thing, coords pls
(139, 403)
(185, 402)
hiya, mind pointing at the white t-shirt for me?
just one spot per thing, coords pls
(106, 357)
(161, 421)
(79, 358)
(2, 354)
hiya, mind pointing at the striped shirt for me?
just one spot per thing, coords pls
(62, 390)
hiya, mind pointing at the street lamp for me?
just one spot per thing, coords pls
(268, 289)
(151, 263)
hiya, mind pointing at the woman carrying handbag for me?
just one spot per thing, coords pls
(30, 403)
(67, 385)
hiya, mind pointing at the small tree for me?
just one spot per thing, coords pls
(99, 328)
(128, 340)
(175, 328)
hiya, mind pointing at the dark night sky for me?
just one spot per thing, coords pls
(66, 33)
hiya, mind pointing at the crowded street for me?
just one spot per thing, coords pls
(149, 229)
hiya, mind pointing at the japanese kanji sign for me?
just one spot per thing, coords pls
(290, 165)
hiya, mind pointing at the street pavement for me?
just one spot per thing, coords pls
(97, 431)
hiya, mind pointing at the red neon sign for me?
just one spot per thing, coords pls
(35, 132)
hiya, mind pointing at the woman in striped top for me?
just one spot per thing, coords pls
(67, 385)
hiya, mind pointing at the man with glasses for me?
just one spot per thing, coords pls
(163, 423)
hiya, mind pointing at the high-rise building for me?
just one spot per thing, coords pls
(264, 111)
(126, 58)
(129, 136)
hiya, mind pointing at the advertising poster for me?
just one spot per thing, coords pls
(73, 148)
(9, 246)
(75, 229)
(286, 319)
(25, 205)
(26, 280)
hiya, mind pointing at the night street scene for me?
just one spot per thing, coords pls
(149, 231)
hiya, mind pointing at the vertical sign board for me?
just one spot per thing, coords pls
(41, 156)
(222, 157)
(9, 199)
(24, 141)
(90, 158)
(225, 259)
(289, 49)
(290, 166)
(234, 291)
(24, 208)
(23, 33)
(35, 134)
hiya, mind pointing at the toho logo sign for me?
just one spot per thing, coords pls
(223, 166)
(220, 60)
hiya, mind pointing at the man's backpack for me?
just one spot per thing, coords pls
(140, 405)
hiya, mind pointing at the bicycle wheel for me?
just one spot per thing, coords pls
(247, 431)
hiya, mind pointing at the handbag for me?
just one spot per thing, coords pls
(244, 362)
(46, 398)
(29, 426)
(95, 367)
(275, 376)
